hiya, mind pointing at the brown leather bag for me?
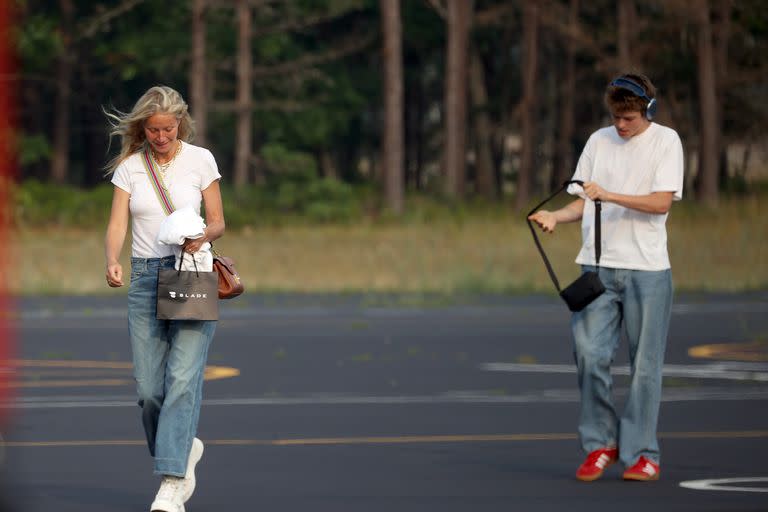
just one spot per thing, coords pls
(230, 284)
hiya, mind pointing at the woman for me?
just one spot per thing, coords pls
(168, 356)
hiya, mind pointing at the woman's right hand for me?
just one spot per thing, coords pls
(545, 219)
(115, 275)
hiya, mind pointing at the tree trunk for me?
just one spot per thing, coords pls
(327, 164)
(528, 103)
(197, 72)
(62, 119)
(93, 126)
(486, 176)
(458, 27)
(415, 107)
(710, 127)
(243, 136)
(392, 157)
(564, 158)
(722, 32)
(625, 34)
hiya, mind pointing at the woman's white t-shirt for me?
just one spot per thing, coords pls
(191, 172)
(649, 162)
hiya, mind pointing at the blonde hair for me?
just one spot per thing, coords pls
(130, 126)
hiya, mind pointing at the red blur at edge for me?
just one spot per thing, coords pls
(8, 163)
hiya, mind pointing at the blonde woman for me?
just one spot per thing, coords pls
(168, 355)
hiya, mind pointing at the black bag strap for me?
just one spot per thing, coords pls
(598, 240)
(181, 262)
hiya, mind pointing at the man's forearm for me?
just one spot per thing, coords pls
(571, 212)
(655, 203)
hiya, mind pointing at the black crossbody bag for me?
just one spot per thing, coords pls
(588, 286)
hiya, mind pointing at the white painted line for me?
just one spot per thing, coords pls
(720, 307)
(726, 484)
(391, 439)
(32, 313)
(465, 397)
(723, 370)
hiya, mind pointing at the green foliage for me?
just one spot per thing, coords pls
(39, 204)
(317, 84)
(294, 198)
(33, 148)
(150, 53)
(282, 161)
(288, 200)
(293, 187)
(294, 195)
(37, 41)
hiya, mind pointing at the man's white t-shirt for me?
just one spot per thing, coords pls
(649, 162)
(191, 172)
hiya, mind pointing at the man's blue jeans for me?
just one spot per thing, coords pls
(640, 302)
(168, 363)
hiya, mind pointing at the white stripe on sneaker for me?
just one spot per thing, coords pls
(648, 469)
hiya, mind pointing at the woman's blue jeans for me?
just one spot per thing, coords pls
(168, 363)
(640, 302)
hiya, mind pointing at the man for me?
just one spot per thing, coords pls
(635, 168)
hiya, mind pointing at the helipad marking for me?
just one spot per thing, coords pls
(725, 484)
(752, 351)
(405, 439)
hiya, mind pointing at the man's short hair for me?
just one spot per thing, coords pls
(620, 99)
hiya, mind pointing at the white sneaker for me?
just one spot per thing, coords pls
(168, 498)
(195, 454)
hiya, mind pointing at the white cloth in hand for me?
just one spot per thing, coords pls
(176, 228)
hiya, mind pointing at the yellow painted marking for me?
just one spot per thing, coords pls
(69, 444)
(752, 351)
(68, 383)
(65, 372)
(220, 372)
(746, 434)
(118, 368)
(57, 363)
(398, 439)
(325, 441)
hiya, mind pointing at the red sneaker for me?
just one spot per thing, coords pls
(593, 466)
(644, 470)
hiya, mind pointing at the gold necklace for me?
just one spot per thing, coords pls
(164, 167)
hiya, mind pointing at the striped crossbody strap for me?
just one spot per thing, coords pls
(157, 182)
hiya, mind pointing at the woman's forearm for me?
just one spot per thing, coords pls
(214, 230)
(113, 244)
(117, 226)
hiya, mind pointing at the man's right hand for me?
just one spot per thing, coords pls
(545, 219)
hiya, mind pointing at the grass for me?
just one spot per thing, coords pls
(490, 252)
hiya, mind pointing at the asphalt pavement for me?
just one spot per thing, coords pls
(383, 403)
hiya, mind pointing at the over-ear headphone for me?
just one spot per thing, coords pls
(638, 90)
